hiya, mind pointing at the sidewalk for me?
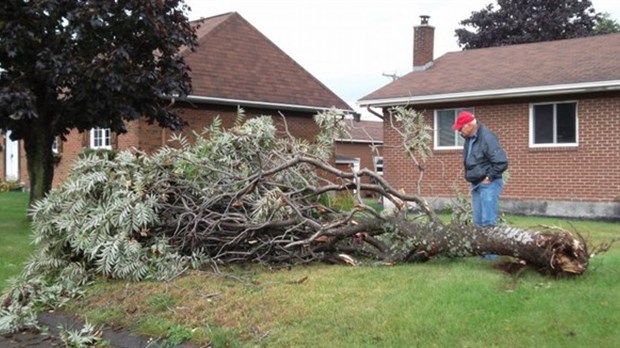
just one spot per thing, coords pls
(116, 338)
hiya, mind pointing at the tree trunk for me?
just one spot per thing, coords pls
(551, 252)
(38, 140)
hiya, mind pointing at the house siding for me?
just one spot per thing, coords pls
(69, 151)
(150, 137)
(137, 134)
(362, 151)
(300, 124)
(589, 172)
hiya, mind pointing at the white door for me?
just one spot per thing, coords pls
(12, 158)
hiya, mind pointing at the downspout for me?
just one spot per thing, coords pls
(374, 112)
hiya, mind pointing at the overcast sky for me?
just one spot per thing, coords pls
(350, 44)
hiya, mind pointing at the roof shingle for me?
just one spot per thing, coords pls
(235, 61)
(561, 62)
(364, 131)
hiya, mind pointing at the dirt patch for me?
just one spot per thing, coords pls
(116, 337)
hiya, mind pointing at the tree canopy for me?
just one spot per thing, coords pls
(606, 25)
(523, 21)
(81, 64)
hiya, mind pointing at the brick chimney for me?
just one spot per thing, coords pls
(423, 44)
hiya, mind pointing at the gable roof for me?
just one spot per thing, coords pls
(544, 68)
(363, 132)
(235, 64)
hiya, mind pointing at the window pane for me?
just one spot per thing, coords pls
(100, 138)
(55, 147)
(106, 137)
(566, 123)
(543, 124)
(378, 165)
(97, 137)
(445, 120)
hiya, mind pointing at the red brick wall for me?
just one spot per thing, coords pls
(423, 44)
(589, 172)
(299, 124)
(133, 137)
(149, 137)
(69, 151)
(359, 150)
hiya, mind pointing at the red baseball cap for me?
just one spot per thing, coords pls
(463, 119)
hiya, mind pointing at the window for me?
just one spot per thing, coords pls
(445, 137)
(100, 138)
(56, 145)
(553, 124)
(349, 163)
(356, 165)
(378, 161)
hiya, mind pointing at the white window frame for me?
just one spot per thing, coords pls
(356, 165)
(555, 143)
(101, 138)
(376, 160)
(456, 133)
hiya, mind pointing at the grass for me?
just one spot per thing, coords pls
(462, 303)
(441, 303)
(15, 246)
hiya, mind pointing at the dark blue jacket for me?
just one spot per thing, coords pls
(487, 157)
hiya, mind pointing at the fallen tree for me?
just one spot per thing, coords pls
(247, 194)
(310, 232)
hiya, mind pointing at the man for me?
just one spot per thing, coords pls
(485, 161)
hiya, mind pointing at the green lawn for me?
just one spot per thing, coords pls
(442, 303)
(15, 244)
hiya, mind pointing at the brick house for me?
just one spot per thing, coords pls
(555, 107)
(363, 149)
(234, 66)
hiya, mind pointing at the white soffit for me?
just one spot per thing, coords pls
(496, 94)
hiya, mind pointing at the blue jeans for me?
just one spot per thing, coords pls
(485, 202)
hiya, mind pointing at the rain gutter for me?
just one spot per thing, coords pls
(602, 86)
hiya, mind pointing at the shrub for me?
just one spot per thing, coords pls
(6, 186)
(343, 201)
